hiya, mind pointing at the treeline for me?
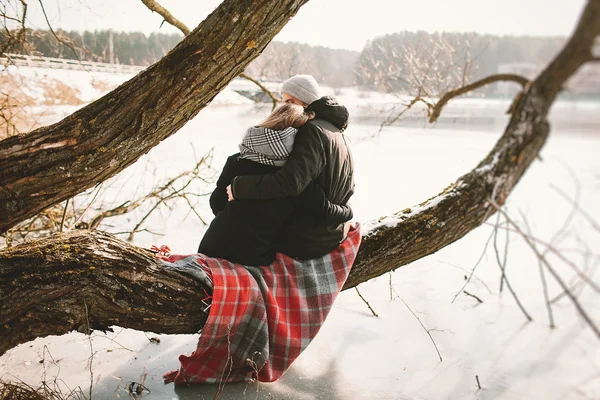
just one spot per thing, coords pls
(279, 61)
(400, 62)
(407, 60)
(130, 48)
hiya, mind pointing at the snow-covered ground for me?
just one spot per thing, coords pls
(357, 355)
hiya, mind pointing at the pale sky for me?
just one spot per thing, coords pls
(332, 23)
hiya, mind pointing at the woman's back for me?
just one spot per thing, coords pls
(244, 231)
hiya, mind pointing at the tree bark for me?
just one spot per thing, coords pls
(59, 284)
(90, 280)
(54, 163)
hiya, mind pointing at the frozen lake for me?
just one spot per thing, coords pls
(357, 355)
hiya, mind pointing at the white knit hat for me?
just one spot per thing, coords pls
(303, 87)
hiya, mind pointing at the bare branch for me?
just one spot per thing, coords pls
(155, 7)
(67, 42)
(473, 296)
(576, 206)
(423, 326)
(554, 274)
(437, 108)
(475, 266)
(542, 278)
(262, 87)
(501, 264)
(163, 12)
(365, 301)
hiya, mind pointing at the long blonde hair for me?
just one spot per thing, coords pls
(288, 115)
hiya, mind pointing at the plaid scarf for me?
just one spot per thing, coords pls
(262, 318)
(267, 146)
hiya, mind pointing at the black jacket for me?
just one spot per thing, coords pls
(246, 231)
(320, 155)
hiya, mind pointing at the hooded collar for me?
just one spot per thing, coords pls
(330, 110)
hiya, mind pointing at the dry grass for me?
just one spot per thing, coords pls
(103, 86)
(17, 113)
(22, 391)
(13, 104)
(58, 93)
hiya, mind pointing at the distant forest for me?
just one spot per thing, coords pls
(398, 62)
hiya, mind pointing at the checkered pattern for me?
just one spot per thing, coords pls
(268, 146)
(262, 318)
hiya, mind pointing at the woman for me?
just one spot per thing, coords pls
(246, 231)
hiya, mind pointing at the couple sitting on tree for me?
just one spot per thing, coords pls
(276, 254)
(287, 189)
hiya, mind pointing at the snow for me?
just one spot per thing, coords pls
(89, 85)
(357, 355)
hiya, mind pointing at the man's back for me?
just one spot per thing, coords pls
(320, 154)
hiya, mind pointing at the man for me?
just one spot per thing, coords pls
(320, 154)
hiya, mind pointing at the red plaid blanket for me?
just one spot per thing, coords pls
(262, 318)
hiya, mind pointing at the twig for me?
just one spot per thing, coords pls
(541, 267)
(262, 87)
(589, 271)
(99, 186)
(504, 278)
(426, 330)
(391, 287)
(228, 363)
(168, 17)
(62, 221)
(474, 267)
(514, 294)
(392, 120)
(473, 296)
(465, 270)
(60, 40)
(557, 277)
(559, 255)
(478, 384)
(87, 319)
(365, 301)
(577, 207)
(502, 264)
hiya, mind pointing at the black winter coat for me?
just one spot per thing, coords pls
(246, 231)
(321, 155)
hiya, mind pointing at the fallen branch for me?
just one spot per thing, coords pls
(423, 326)
(556, 276)
(366, 302)
(473, 296)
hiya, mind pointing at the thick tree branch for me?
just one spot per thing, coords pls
(54, 163)
(163, 12)
(45, 285)
(154, 6)
(437, 108)
(411, 234)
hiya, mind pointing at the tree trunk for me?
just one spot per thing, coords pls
(58, 284)
(56, 162)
